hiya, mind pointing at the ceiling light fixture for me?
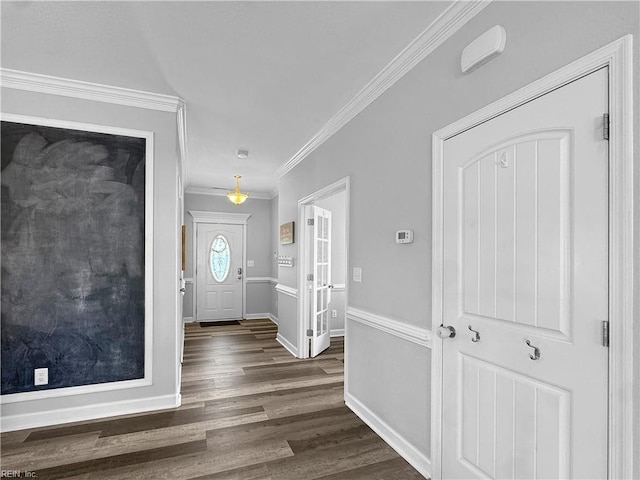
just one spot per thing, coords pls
(237, 197)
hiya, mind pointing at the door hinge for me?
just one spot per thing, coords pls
(605, 333)
(311, 222)
(309, 332)
(310, 277)
(605, 126)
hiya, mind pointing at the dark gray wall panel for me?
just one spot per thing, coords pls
(72, 256)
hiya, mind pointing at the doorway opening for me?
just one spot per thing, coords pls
(322, 269)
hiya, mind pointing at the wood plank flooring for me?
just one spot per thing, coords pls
(250, 412)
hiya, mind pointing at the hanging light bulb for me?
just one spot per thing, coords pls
(237, 197)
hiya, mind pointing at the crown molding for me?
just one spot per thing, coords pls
(35, 82)
(449, 22)
(220, 192)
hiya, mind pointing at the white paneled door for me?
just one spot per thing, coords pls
(219, 272)
(526, 267)
(320, 280)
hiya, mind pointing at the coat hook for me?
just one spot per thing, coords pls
(476, 337)
(536, 351)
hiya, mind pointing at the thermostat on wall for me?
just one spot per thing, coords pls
(404, 236)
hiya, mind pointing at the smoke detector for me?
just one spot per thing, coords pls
(242, 153)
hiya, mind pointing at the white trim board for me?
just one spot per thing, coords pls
(148, 262)
(396, 441)
(411, 333)
(618, 57)
(341, 185)
(336, 332)
(291, 348)
(291, 292)
(48, 84)
(88, 412)
(200, 216)
(261, 280)
(257, 316)
(443, 27)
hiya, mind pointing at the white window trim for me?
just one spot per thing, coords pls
(617, 56)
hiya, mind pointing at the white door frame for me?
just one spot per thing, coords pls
(617, 56)
(344, 184)
(224, 218)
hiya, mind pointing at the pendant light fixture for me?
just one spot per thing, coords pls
(237, 197)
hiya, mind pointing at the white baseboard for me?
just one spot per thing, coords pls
(406, 450)
(287, 344)
(188, 319)
(260, 316)
(256, 316)
(88, 412)
(337, 332)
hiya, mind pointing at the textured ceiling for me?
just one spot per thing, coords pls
(265, 76)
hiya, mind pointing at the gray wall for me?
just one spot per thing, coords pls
(259, 247)
(387, 148)
(165, 241)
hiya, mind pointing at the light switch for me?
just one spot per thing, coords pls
(357, 274)
(250, 263)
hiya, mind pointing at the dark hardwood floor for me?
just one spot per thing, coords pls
(249, 411)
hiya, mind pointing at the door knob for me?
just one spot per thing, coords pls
(446, 332)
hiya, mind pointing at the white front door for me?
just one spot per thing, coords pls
(320, 282)
(219, 272)
(526, 266)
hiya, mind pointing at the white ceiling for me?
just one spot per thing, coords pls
(263, 76)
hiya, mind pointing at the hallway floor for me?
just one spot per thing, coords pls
(249, 411)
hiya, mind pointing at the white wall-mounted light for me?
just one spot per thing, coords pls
(484, 48)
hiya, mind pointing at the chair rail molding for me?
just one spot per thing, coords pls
(291, 292)
(262, 280)
(417, 335)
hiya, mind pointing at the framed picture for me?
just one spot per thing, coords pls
(77, 263)
(287, 233)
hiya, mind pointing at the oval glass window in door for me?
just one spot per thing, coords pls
(220, 260)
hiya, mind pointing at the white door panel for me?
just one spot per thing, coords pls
(219, 272)
(320, 285)
(526, 259)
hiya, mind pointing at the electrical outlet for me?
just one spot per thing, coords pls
(357, 274)
(250, 263)
(41, 376)
(334, 313)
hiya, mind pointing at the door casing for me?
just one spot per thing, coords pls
(303, 253)
(617, 56)
(223, 218)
